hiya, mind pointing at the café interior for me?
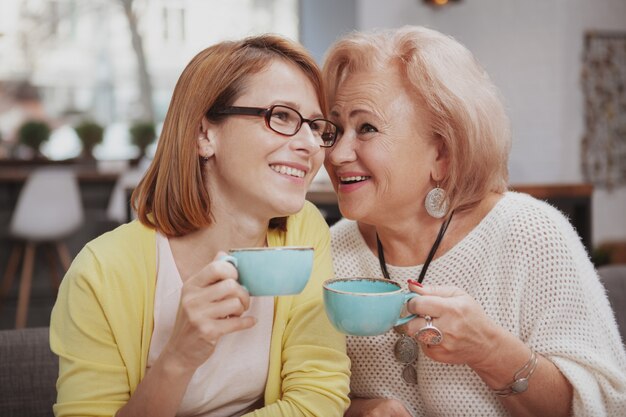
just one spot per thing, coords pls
(76, 134)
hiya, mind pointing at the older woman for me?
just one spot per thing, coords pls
(513, 320)
(149, 321)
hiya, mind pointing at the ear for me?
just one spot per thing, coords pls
(206, 141)
(441, 163)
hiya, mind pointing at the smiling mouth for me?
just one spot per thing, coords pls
(285, 170)
(353, 180)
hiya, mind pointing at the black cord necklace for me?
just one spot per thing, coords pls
(431, 254)
(405, 349)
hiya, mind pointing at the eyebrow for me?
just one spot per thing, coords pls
(353, 113)
(295, 106)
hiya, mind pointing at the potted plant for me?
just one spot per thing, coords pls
(142, 135)
(33, 134)
(90, 134)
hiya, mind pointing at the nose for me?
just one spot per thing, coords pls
(305, 141)
(342, 151)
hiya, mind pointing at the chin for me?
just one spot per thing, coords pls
(290, 207)
(351, 211)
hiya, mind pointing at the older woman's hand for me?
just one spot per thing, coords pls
(376, 407)
(469, 335)
(211, 305)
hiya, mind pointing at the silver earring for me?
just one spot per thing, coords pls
(436, 202)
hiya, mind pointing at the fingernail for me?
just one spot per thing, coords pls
(413, 282)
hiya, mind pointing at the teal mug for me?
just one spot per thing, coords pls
(365, 306)
(278, 270)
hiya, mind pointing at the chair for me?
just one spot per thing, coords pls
(119, 209)
(614, 279)
(48, 209)
(28, 373)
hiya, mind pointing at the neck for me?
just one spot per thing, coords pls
(195, 250)
(429, 258)
(406, 244)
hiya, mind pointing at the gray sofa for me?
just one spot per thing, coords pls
(28, 373)
(614, 279)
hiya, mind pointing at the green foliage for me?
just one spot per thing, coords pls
(90, 134)
(33, 133)
(142, 134)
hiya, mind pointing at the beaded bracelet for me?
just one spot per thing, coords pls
(520, 379)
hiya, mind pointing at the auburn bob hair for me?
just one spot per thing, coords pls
(172, 196)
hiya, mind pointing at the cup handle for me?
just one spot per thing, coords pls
(230, 259)
(404, 320)
(233, 261)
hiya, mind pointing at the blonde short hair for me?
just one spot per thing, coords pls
(172, 196)
(465, 107)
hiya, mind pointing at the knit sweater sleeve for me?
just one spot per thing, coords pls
(565, 314)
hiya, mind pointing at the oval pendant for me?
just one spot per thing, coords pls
(409, 374)
(405, 349)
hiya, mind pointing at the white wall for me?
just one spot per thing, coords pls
(323, 21)
(532, 49)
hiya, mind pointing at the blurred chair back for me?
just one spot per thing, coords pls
(614, 279)
(49, 206)
(28, 373)
(49, 209)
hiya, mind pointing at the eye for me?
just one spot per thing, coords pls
(339, 130)
(367, 128)
(281, 115)
(317, 125)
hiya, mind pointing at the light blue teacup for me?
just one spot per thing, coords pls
(365, 306)
(278, 270)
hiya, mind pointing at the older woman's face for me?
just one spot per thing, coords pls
(382, 163)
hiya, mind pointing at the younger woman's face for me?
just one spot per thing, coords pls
(254, 168)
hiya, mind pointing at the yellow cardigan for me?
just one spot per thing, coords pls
(102, 323)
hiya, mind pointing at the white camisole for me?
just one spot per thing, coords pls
(232, 381)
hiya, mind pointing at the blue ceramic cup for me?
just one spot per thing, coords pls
(278, 270)
(365, 306)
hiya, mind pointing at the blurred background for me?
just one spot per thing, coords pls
(84, 87)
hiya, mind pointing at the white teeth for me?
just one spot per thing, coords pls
(353, 179)
(282, 169)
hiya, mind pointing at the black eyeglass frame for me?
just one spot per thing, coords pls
(266, 113)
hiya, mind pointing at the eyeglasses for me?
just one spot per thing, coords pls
(287, 121)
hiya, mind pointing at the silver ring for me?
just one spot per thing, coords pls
(429, 334)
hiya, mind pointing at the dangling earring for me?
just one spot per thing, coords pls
(436, 202)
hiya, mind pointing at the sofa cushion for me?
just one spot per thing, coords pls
(28, 373)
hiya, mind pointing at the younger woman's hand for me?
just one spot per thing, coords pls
(211, 305)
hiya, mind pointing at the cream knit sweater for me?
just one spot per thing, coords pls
(526, 266)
